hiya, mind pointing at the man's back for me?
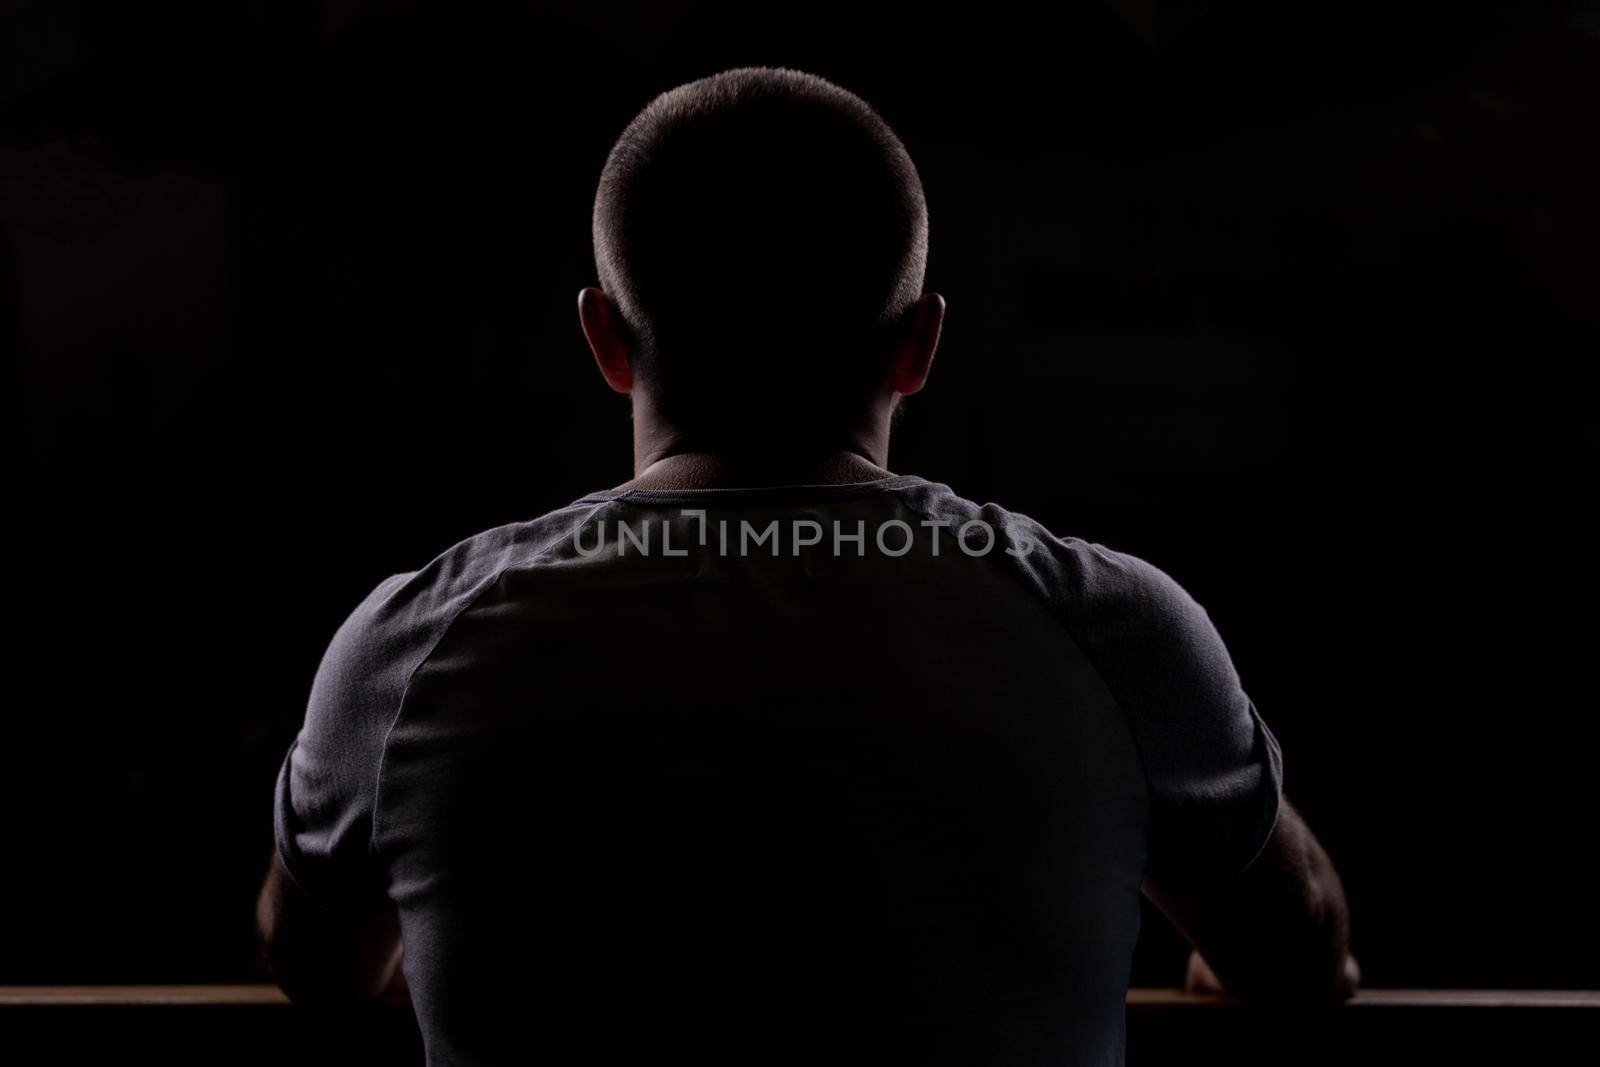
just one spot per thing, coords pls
(860, 771)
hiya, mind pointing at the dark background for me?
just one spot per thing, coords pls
(1300, 302)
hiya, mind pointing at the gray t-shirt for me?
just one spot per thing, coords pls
(852, 774)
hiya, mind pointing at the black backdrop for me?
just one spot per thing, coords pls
(1299, 304)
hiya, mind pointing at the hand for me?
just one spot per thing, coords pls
(1349, 978)
(397, 987)
(1202, 980)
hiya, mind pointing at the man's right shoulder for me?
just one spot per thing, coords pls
(1213, 767)
(1068, 572)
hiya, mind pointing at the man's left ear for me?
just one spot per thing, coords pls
(914, 352)
(607, 335)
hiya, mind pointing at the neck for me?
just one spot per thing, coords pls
(718, 470)
(668, 457)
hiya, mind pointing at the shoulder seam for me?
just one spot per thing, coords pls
(1013, 573)
(489, 582)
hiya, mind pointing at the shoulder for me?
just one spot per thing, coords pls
(372, 655)
(1213, 768)
(327, 786)
(1128, 608)
(1152, 642)
(429, 596)
(1091, 582)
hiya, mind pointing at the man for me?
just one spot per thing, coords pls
(769, 754)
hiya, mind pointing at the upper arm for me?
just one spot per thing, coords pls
(324, 913)
(1230, 861)
(1213, 769)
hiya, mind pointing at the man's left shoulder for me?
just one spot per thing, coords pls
(455, 576)
(396, 624)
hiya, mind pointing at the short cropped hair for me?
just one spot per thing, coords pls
(761, 230)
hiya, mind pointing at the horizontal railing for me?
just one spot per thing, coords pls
(255, 1024)
(1139, 999)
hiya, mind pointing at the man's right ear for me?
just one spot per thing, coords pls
(913, 354)
(607, 335)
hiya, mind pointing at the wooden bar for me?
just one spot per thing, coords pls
(248, 995)
(245, 1025)
(1396, 998)
(148, 995)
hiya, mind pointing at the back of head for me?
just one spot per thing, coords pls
(763, 233)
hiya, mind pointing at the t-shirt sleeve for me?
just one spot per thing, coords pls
(1215, 771)
(326, 787)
